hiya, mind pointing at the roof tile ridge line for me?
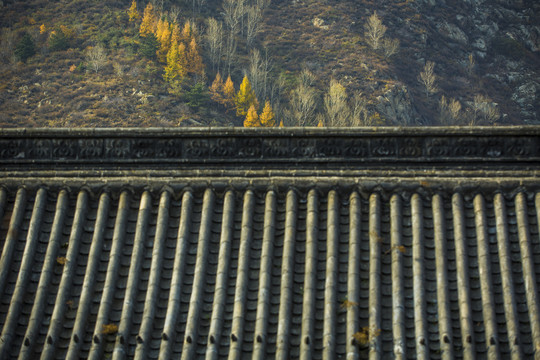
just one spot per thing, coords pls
(353, 274)
(12, 317)
(152, 290)
(80, 326)
(285, 306)
(3, 201)
(422, 348)
(220, 292)
(397, 250)
(308, 302)
(111, 276)
(330, 301)
(9, 245)
(462, 269)
(46, 276)
(64, 289)
(265, 276)
(484, 268)
(510, 309)
(528, 269)
(175, 294)
(242, 277)
(143, 216)
(375, 241)
(441, 265)
(195, 300)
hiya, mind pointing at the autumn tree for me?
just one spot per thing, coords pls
(245, 98)
(335, 104)
(229, 93)
(163, 35)
(428, 78)
(252, 119)
(374, 31)
(149, 21)
(216, 89)
(194, 60)
(133, 13)
(187, 33)
(42, 29)
(175, 70)
(267, 116)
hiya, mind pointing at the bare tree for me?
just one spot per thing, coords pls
(254, 17)
(306, 78)
(484, 111)
(303, 101)
(214, 39)
(233, 14)
(174, 14)
(259, 68)
(262, 4)
(96, 57)
(335, 104)
(390, 47)
(359, 111)
(428, 78)
(374, 31)
(449, 111)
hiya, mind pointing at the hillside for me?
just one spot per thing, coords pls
(315, 62)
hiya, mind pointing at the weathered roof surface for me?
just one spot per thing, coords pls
(281, 244)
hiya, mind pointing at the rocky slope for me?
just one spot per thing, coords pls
(485, 54)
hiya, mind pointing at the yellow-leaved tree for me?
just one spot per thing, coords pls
(245, 98)
(133, 13)
(187, 32)
(229, 93)
(149, 21)
(176, 34)
(194, 59)
(252, 119)
(163, 35)
(176, 64)
(267, 116)
(216, 89)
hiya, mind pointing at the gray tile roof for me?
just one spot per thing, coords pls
(383, 258)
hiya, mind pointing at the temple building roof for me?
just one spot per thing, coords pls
(279, 243)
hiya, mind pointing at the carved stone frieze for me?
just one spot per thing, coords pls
(108, 147)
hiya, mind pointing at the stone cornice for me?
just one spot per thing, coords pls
(111, 155)
(277, 148)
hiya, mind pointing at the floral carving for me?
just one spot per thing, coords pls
(90, 148)
(64, 148)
